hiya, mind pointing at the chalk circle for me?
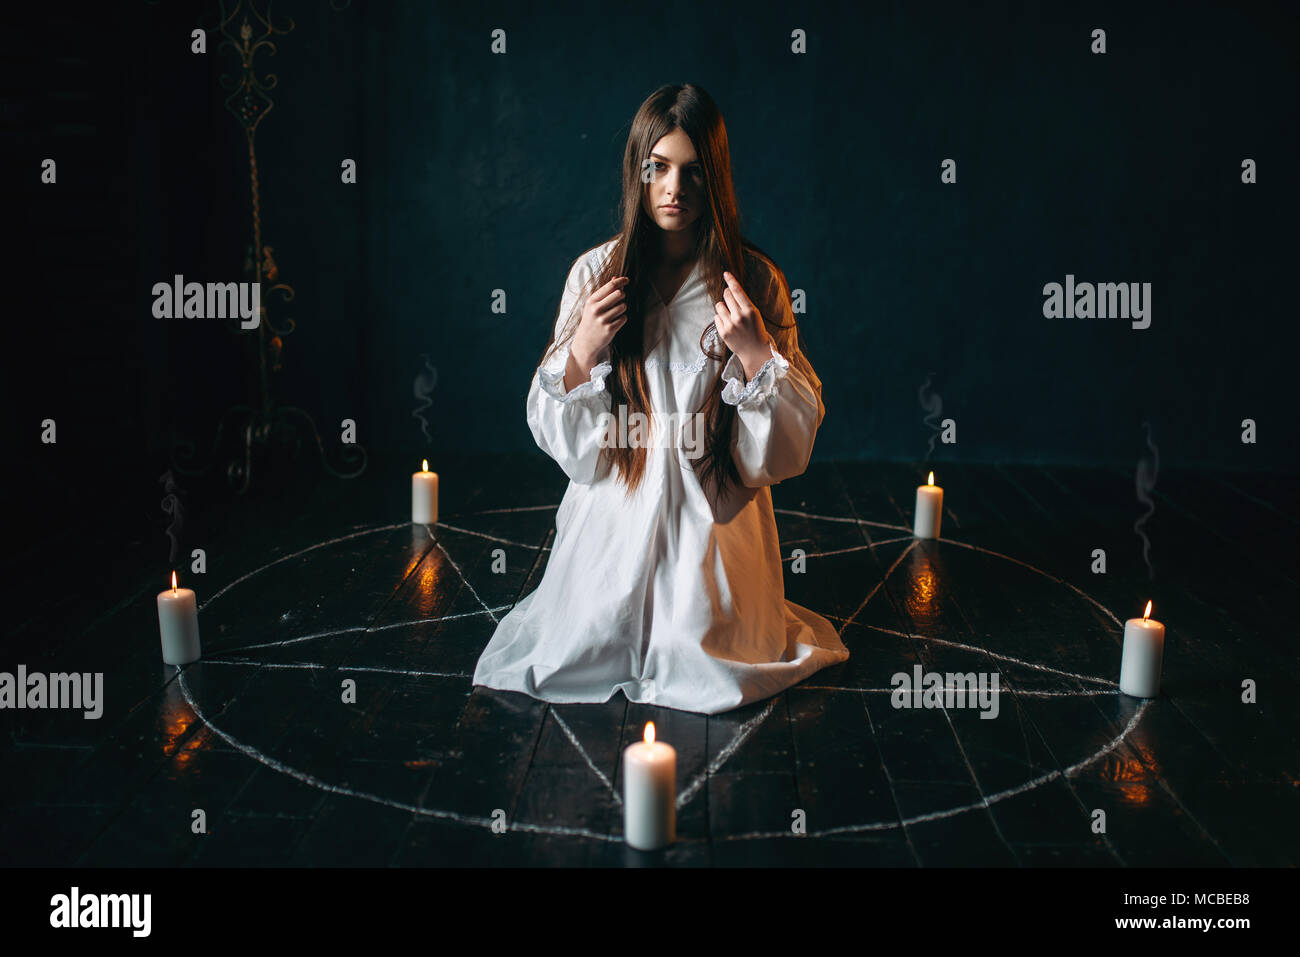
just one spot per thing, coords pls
(742, 733)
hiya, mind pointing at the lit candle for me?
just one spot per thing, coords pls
(178, 624)
(424, 496)
(1144, 649)
(650, 793)
(929, 510)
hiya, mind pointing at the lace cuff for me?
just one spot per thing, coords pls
(551, 377)
(757, 390)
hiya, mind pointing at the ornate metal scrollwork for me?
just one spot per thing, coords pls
(264, 422)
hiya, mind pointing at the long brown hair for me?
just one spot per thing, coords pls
(719, 245)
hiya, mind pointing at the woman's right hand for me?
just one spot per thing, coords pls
(602, 316)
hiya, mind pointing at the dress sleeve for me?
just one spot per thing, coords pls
(778, 411)
(569, 426)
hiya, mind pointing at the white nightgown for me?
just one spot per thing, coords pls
(669, 594)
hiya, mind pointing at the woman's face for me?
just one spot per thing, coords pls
(678, 182)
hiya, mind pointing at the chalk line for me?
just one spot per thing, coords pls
(313, 664)
(1049, 575)
(840, 518)
(952, 812)
(429, 621)
(309, 548)
(573, 739)
(851, 548)
(463, 579)
(901, 555)
(743, 732)
(525, 508)
(357, 628)
(401, 671)
(491, 538)
(316, 782)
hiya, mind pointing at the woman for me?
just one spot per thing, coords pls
(665, 578)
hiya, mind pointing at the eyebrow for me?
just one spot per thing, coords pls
(667, 160)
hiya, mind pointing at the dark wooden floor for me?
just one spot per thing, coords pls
(305, 591)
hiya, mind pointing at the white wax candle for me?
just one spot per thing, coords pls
(178, 625)
(424, 496)
(1144, 650)
(929, 510)
(650, 793)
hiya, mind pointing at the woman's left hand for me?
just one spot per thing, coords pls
(741, 327)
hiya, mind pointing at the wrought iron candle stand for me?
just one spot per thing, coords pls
(265, 425)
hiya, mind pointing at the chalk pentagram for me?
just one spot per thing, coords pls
(742, 733)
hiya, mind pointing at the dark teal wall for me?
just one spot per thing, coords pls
(479, 172)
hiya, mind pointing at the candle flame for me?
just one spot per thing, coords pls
(173, 583)
(650, 732)
(424, 465)
(930, 481)
(1147, 614)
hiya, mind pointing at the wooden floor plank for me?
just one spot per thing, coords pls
(416, 770)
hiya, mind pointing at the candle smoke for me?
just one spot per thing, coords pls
(1147, 469)
(424, 383)
(172, 505)
(932, 403)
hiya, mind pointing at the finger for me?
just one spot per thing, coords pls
(607, 310)
(733, 303)
(724, 316)
(614, 295)
(734, 286)
(615, 285)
